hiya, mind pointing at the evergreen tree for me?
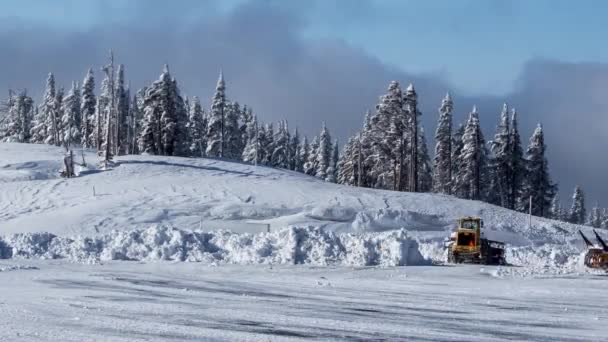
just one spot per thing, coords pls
(58, 111)
(517, 166)
(233, 148)
(181, 142)
(279, 157)
(102, 112)
(46, 126)
(332, 170)
(267, 144)
(252, 152)
(442, 175)
(538, 183)
(137, 118)
(303, 155)
(20, 115)
(216, 125)
(577, 210)
(122, 111)
(324, 153)
(294, 156)
(557, 211)
(87, 110)
(425, 171)
(165, 118)
(471, 178)
(347, 163)
(71, 119)
(595, 219)
(501, 162)
(605, 218)
(457, 146)
(411, 105)
(387, 140)
(197, 126)
(311, 164)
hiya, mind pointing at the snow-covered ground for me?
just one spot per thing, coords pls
(161, 248)
(130, 301)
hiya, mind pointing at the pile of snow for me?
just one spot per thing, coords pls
(295, 245)
(545, 259)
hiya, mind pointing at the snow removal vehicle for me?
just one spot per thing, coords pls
(467, 245)
(596, 257)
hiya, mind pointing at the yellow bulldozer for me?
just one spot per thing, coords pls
(467, 245)
(596, 257)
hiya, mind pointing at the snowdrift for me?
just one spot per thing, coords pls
(296, 245)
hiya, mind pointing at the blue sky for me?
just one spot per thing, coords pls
(480, 46)
(328, 60)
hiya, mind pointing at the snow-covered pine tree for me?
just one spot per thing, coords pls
(604, 218)
(457, 146)
(71, 117)
(557, 211)
(122, 111)
(500, 166)
(347, 163)
(517, 166)
(578, 212)
(294, 157)
(137, 118)
(233, 147)
(58, 111)
(425, 171)
(442, 170)
(310, 166)
(538, 182)
(165, 118)
(197, 127)
(386, 136)
(471, 177)
(280, 147)
(20, 115)
(245, 117)
(45, 129)
(324, 152)
(39, 129)
(252, 152)
(304, 155)
(101, 113)
(216, 125)
(332, 170)
(595, 217)
(364, 148)
(411, 105)
(87, 110)
(267, 144)
(181, 142)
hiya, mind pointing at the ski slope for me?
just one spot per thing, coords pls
(174, 249)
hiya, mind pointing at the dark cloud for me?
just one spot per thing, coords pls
(269, 66)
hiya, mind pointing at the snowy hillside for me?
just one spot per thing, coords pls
(204, 194)
(182, 192)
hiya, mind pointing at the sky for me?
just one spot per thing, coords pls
(329, 60)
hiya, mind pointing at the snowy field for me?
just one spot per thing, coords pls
(129, 301)
(161, 248)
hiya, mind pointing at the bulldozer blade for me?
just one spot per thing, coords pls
(587, 242)
(604, 246)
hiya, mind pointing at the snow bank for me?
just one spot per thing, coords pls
(545, 259)
(295, 245)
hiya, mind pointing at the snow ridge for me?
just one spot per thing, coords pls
(295, 245)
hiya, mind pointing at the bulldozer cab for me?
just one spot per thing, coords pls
(468, 233)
